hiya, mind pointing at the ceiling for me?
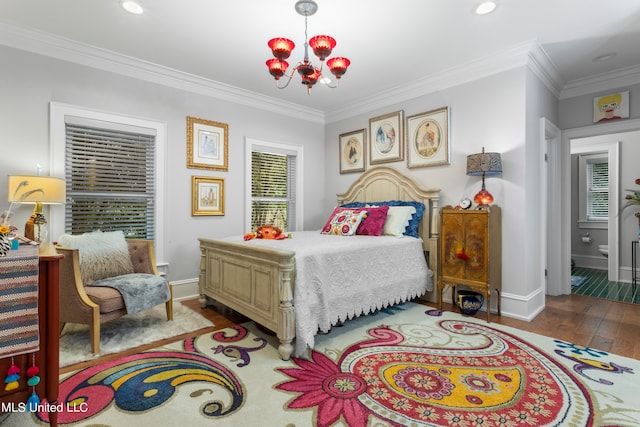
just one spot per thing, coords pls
(389, 43)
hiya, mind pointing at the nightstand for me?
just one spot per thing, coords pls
(471, 252)
(17, 267)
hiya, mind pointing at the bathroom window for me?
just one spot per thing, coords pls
(594, 186)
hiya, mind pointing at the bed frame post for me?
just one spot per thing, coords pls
(434, 234)
(286, 313)
(202, 299)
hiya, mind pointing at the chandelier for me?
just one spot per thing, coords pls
(322, 47)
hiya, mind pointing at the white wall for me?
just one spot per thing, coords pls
(540, 103)
(577, 111)
(489, 112)
(494, 112)
(29, 82)
(576, 120)
(587, 254)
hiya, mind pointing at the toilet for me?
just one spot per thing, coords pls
(604, 250)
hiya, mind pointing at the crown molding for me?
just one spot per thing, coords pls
(529, 53)
(102, 59)
(542, 66)
(601, 82)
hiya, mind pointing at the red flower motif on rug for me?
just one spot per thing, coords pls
(500, 381)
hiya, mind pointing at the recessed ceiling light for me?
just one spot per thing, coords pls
(131, 6)
(485, 7)
(605, 57)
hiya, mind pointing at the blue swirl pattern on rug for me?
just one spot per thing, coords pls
(144, 381)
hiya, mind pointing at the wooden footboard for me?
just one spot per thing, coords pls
(256, 282)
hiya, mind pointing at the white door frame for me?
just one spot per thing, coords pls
(552, 250)
(564, 210)
(612, 147)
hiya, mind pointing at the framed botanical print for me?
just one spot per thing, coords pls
(207, 196)
(207, 144)
(352, 151)
(386, 138)
(428, 139)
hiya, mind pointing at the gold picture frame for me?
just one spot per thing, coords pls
(386, 138)
(428, 139)
(207, 144)
(207, 196)
(352, 152)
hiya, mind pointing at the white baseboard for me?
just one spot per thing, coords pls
(589, 261)
(515, 306)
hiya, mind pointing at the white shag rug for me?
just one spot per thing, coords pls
(129, 331)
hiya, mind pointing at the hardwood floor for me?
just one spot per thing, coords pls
(606, 325)
(591, 322)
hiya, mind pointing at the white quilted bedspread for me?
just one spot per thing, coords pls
(341, 277)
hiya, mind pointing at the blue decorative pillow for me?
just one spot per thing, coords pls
(414, 223)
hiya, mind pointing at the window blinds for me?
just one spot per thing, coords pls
(597, 190)
(110, 181)
(273, 190)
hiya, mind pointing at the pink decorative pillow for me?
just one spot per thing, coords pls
(344, 222)
(373, 224)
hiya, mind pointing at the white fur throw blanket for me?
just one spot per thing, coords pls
(102, 254)
(105, 261)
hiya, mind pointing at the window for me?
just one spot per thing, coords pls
(114, 168)
(597, 190)
(274, 181)
(594, 188)
(110, 175)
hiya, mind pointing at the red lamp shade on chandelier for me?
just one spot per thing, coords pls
(484, 164)
(321, 45)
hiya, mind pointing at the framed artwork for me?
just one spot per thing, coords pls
(386, 138)
(352, 151)
(428, 139)
(611, 107)
(207, 196)
(207, 144)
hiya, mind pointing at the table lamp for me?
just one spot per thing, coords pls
(484, 164)
(38, 190)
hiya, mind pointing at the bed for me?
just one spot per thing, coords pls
(258, 278)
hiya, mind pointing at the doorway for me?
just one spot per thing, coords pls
(627, 131)
(587, 234)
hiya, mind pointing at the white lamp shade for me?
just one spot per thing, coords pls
(34, 189)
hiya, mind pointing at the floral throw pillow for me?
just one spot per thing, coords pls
(344, 222)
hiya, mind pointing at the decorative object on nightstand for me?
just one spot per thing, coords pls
(464, 204)
(484, 164)
(471, 252)
(36, 190)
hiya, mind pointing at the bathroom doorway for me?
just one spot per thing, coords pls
(628, 132)
(595, 203)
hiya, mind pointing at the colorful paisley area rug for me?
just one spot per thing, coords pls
(405, 366)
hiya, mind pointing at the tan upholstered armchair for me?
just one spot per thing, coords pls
(96, 302)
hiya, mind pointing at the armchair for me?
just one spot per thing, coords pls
(93, 302)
